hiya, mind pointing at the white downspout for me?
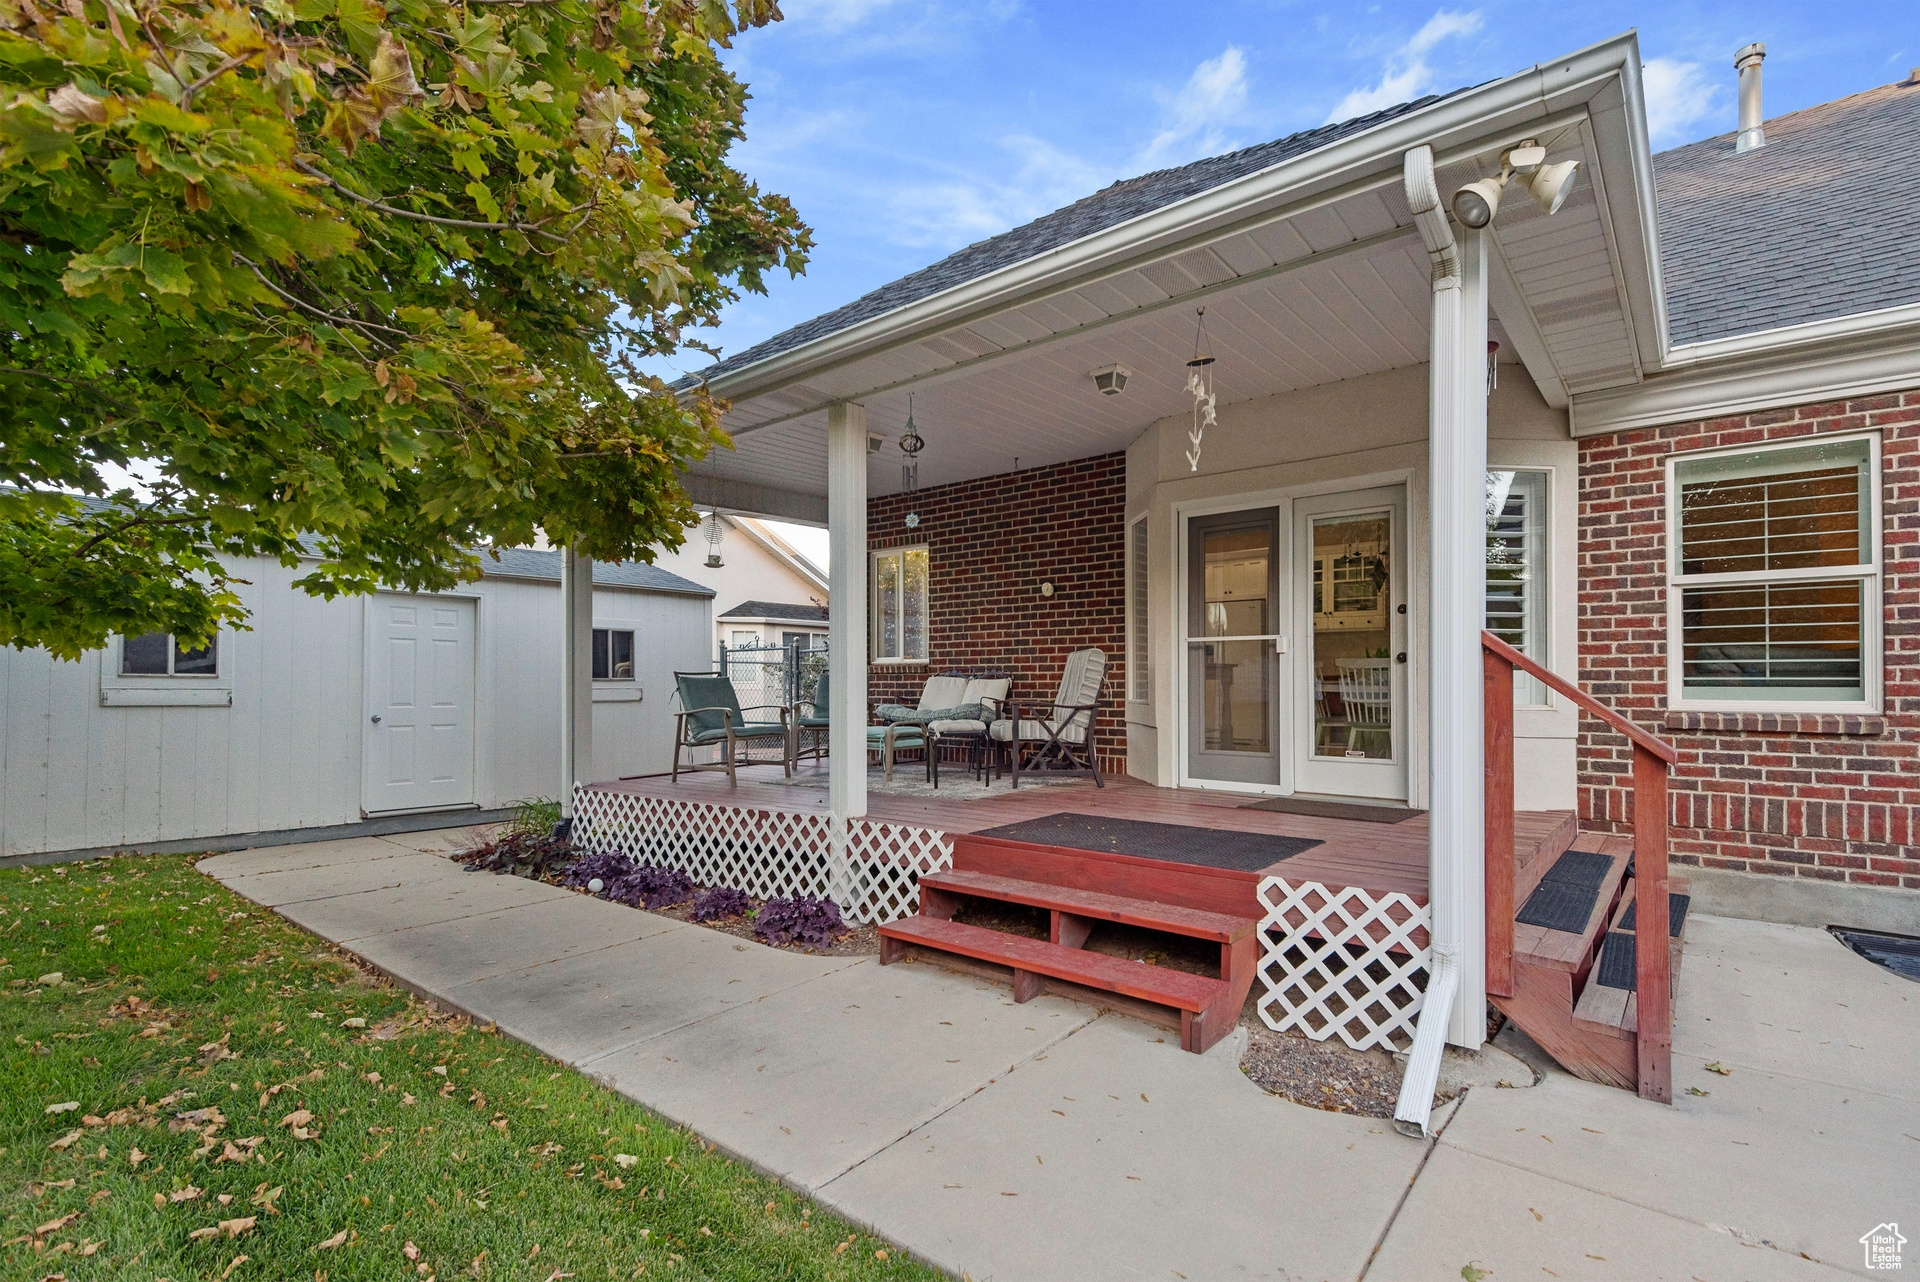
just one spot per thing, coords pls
(1457, 462)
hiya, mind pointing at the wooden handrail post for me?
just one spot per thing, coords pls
(1497, 680)
(1653, 990)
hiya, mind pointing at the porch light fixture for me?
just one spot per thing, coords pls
(1200, 387)
(715, 532)
(1476, 203)
(1111, 380)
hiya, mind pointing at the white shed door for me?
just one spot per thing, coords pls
(418, 745)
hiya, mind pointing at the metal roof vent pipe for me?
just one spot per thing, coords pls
(1747, 62)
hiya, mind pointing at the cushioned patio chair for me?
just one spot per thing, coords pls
(983, 702)
(1059, 738)
(711, 716)
(810, 723)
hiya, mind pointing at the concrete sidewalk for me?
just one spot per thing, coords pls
(1050, 1141)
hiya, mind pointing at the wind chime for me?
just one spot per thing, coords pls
(714, 534)
(1200, 387)
(911, 443)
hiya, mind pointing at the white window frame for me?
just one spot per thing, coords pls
(619, 689)
(1529, 691)
(170, 690)
(1870, 575)
(873, 605)
(1139, 675)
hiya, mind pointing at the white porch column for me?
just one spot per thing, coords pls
(1457, 466)
(846, 621)
(576, 674)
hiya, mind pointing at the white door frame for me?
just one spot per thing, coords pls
(368, 624)
(1175, 738)
(1302, 674)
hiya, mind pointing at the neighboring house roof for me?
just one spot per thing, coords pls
(1820, 222)
(1124, 200)
(532, 563)
(776, 610)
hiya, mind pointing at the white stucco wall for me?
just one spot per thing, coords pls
(750, 573)
(287, 753)
(1362, 432)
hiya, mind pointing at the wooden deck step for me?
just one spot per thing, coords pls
(1572, 950)
(1175, 919)
(1531, 859)
(1614, 1011)
(1176, 988)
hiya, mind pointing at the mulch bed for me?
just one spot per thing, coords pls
(1326, 1075)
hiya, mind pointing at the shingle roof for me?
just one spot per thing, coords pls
(531, 563)
(776, 610)
(1124, 200)
(1823, 221)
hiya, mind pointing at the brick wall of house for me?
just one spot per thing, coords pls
(991, 543)
(1834, 798)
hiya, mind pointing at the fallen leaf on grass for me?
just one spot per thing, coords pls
(264, 1197)
(338, 1239)
(37, 1187)
(213, 1052)
(411, 1251)
(356, 1021)
(240, 1150)
(625, 1161)
(54, 1226)
(67, 1107)
(238, 1260)
(68, 1140)
(407, 1099)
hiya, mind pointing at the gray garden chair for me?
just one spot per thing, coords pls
(810, 723)
(1059, 738)
(710, 715)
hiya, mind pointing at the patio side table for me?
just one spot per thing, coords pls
(976, 750)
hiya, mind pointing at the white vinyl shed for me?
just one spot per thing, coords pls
(360, 711)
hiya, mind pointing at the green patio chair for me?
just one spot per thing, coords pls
(710, 715)
(810, 723)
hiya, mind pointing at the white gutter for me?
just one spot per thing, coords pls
(1787, 338)
(1373, 155)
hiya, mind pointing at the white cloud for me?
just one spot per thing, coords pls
(1406, 73)
(1213, 96)
(1678, 96)
(947, 213)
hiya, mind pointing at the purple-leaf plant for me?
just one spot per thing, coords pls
(805, 919)
(720, 903)
(637, 885)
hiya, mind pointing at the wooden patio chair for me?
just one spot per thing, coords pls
(1059, 737)
(710, 715)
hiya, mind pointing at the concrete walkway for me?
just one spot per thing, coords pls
(1050, 1141)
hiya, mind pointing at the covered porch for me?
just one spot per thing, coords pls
(1280, 439)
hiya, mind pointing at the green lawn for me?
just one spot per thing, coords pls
(209, 1092)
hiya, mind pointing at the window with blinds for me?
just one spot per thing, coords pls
(1516, 570)
(1774, 580)
(1139, 682)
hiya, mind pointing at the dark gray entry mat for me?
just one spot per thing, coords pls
(1357, 811)
(1619, 963)
(1676, 914)
(1897, 953)
(1174, 843)
(1565, 897)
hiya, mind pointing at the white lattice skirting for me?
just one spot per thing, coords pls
(767, 853)
(1329, 963)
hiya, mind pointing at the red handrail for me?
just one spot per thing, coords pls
(1652, 758)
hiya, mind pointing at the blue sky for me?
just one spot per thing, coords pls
(905, 129)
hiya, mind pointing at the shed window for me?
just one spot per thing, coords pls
(1774, 585)
(899, 605)
(158, 654)
(612, 654)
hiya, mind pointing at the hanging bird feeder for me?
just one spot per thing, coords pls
(715, 531)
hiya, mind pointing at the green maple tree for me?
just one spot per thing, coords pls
(364, 281)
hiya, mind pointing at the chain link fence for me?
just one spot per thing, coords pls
(773, 675)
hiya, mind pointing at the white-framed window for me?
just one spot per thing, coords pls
(613, 654)
(161, 654)
(743, 639)
(1516, 579)
(1773, 577)
(899, 604)
(1139, 680)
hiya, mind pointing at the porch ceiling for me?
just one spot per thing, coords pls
(1328, 283)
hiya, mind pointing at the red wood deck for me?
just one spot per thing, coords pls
(1377, 857)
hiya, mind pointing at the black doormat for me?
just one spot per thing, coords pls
(1565, 897)
(1361, 813)
(1618, 962)
(1174, 843)
(1676, 914)
(1897, 953)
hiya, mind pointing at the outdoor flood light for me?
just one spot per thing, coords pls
(1550, 184)
(1111, 380)
(1476, 203)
